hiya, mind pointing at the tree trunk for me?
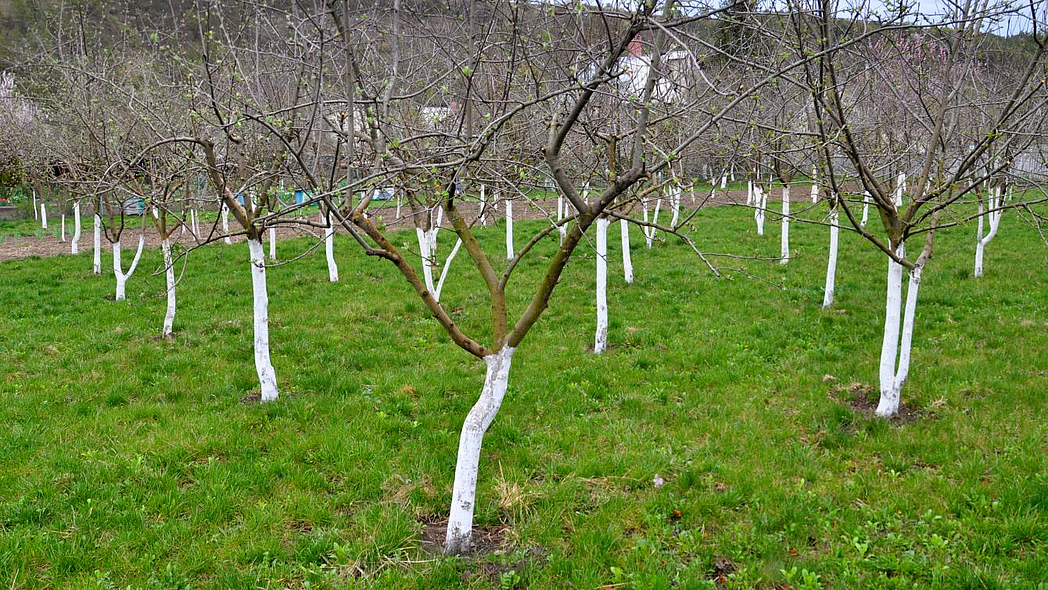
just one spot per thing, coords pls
(169, 276)
(831, 265)
(627, 262)
(509, 229)
(760, 199)
(118, 269)
(785, 225)
(464, 493)
(267, 377)
(98, 244)
(74, 244)
(892, 378)
(444, 271)
(427, 264)
(483, 207)
(995, 222)
(62, 234)
(675, 206)
(329, 250)
(273, 244)
(43, 216)
(865, 208)
(225, 224)
(601, 340)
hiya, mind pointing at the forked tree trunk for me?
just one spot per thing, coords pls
(785, 225)
(225, 224)
(169, 278)
(267, 377)
(509, 229)
(995, 222)
(98, 244)
(427, 258)
(893, 376)
(329, 249)
(444, 271)
(831, 265)
(467, 466)
(649, 232)
(118, 269)
(627, 261)
(74, 244)
(601, 340)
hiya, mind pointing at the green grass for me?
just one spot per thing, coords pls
(126, 461)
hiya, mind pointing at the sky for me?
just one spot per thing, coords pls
(1013, 16)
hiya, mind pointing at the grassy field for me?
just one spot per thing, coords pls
(132, 462)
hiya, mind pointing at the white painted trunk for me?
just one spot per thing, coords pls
(900, 188)
(74, 244)
(483, 207)
(814, 193)
(749, 193)
(760, 199)
(865, 208)
(196, 223)
(36, 213)
(43, 216)
(398, 206)
(675, 205)
(444, 271)
(601, 339)
(649, 232)
(785, 225)
(98, 244)
(169, 277)
(329, 250)
(225, 224)
(267, 377)
(831, 265)
(427, 259)
(62, 234)
(509, 229)
(893, 375)
(118, 268)
(273, 244)
(995, 222)
(467, 466)
(627, 261)
(724, 181)
(562, 229)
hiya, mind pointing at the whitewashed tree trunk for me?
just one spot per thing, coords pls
(36, 212)
(483, 206)
(98, 244)
(509, 229)
(169, 277)
(444, 271)
(467, 466)
(900, 188)
(865, 208)
(267, 377)
(675, 205)
(427, 258)
(724, 181)
(43, 216)
(329, 249)
(831, 265)
(225, 224)
(118, 269)
(749, 193)
(785, 225)
(627, 261)
(814, 192)
(601, 339)
(273, 244)
(562, 228)
(995, 222)
(74, 244)
(893, 375)
(398, 206)
(760, 199)
(62, 234)
(649, 232)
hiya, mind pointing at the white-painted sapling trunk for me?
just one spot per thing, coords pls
(865, 208)
(831, 265)
(627, 261)
(675, 205)
(509, 229)
(329, 250)
(649, 232)
(225, 224)
(62, 234)
(562, 228)
(273, 244)
(43, 216)
(785, 225)
(267, 377)
(118, 269)
(601, 340)
(814, 193)
(444, 271)
(995, 222)
(36, 212)
(169, 278)
(893, 376)
(97, 269)
(760, 199)
(749, 193)
(483, 206)
(74, 244)
(467, 466)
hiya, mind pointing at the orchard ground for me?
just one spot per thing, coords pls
(128, 461)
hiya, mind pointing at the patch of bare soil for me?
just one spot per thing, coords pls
(486, 540)
(863, 398)
(720, 569)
